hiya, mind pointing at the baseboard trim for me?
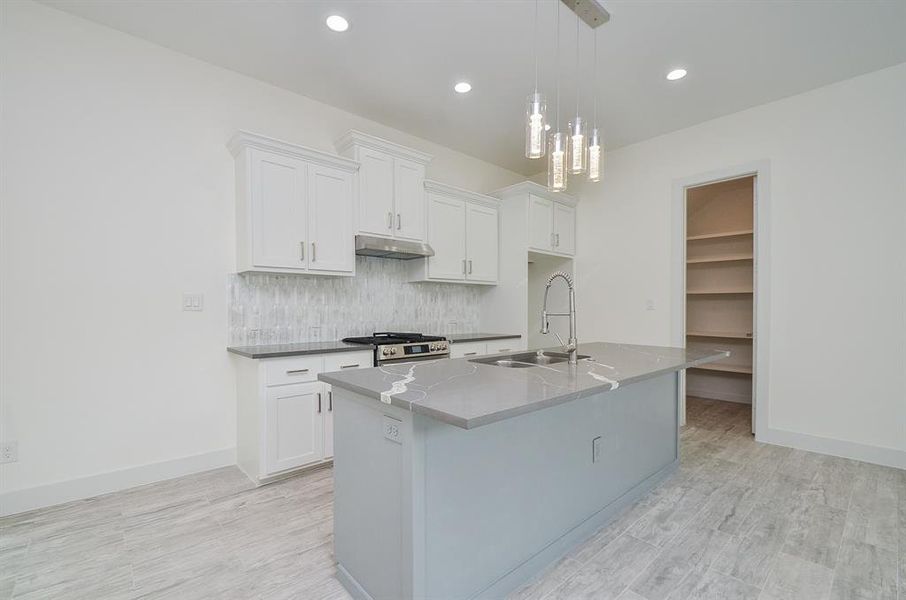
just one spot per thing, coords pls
(17, 501)
(888, 457)
(725, 396)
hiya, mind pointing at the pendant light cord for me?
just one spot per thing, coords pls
(578, 79)
(594, 81)
(557, 59)
(535, 44)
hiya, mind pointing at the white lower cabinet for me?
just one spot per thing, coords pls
(285, 415)
(294, 428)
(473, 349)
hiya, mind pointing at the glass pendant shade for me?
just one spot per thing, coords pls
(594, 155)
(578, 145)
(557, 168)
(535, 120)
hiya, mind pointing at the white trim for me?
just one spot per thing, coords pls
(247, 139)
(354, 137)
(762, 171)
(530, 187)
(727, 396)
(460, 193)
(41, 496)
(888, 457)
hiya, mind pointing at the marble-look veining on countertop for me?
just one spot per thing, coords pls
(279, 309)
(470, 394)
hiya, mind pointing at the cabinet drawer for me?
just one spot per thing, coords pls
(341, 361)
(468, 349)
(509, 345)
(292, 369)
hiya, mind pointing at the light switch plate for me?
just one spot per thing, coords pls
(193, 302)
(392, 429)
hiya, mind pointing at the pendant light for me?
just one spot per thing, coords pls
(535, 110)
(594, 139)
(557, 150)
(578, 138)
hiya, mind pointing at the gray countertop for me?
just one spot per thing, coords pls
(469, 394)
(302, 348)
(479, 337)
(297, 349)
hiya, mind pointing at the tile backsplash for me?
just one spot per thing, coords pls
(276, 309)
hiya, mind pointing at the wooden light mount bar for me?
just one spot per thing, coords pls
(590, 11)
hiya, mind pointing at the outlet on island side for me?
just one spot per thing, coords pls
(596, 449)
(9, 452)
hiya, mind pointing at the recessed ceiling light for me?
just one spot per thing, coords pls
(676, 74)
(337, 23)
(463, 87)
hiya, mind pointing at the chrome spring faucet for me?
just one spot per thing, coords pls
(572, 345)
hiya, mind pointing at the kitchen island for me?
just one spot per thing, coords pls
(464, 478)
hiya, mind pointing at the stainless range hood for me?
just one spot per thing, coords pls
(372, 245)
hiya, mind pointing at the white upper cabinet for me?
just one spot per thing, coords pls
(447, 236)
(410, 199)
(376, 183)
(293, 208)
(564, 229)
(390, 193)
(481, 243)
(541, 223)
(330, 220)
(278, 216)
(463, 231)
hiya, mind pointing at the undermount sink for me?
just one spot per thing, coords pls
(524, 360)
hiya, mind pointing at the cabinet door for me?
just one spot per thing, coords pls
(278, 211)
(564, 229)
(541, 223)
(409, 181)
(375, 197)
(294, 426)
(481, 243)
(332, 246)
(447, 236)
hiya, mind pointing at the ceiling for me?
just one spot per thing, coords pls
(398, 61)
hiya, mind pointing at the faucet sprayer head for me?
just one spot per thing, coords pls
(566, 276)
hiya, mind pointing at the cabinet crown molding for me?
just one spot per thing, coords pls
(457, 192)
(354, 137)
(247, 139)
(530, 187)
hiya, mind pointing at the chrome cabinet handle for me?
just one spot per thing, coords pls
(301, 251)
(399, 222)
(389, 220)
(319, 402)
(349, 366)
(469, 353)
(557, 235)
(552, 240)
(505, 350)
(330, 401)
(297, 371)
(313, 252)
(470, 267)
(463, 266)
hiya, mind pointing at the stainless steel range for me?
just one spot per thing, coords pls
(397, 348)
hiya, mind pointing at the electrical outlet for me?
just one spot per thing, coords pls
(9, 452)
(392, 429)
(596, 449)
(193, 302)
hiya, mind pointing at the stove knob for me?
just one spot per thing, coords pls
(392, 351)
(433, 348)
(386, 351)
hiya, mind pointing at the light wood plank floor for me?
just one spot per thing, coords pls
(739, 520)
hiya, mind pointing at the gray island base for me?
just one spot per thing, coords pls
(455, 479)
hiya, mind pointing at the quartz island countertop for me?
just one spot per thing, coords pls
(470, 394)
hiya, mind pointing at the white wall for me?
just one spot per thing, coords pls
(838, 254)
(117, 197)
